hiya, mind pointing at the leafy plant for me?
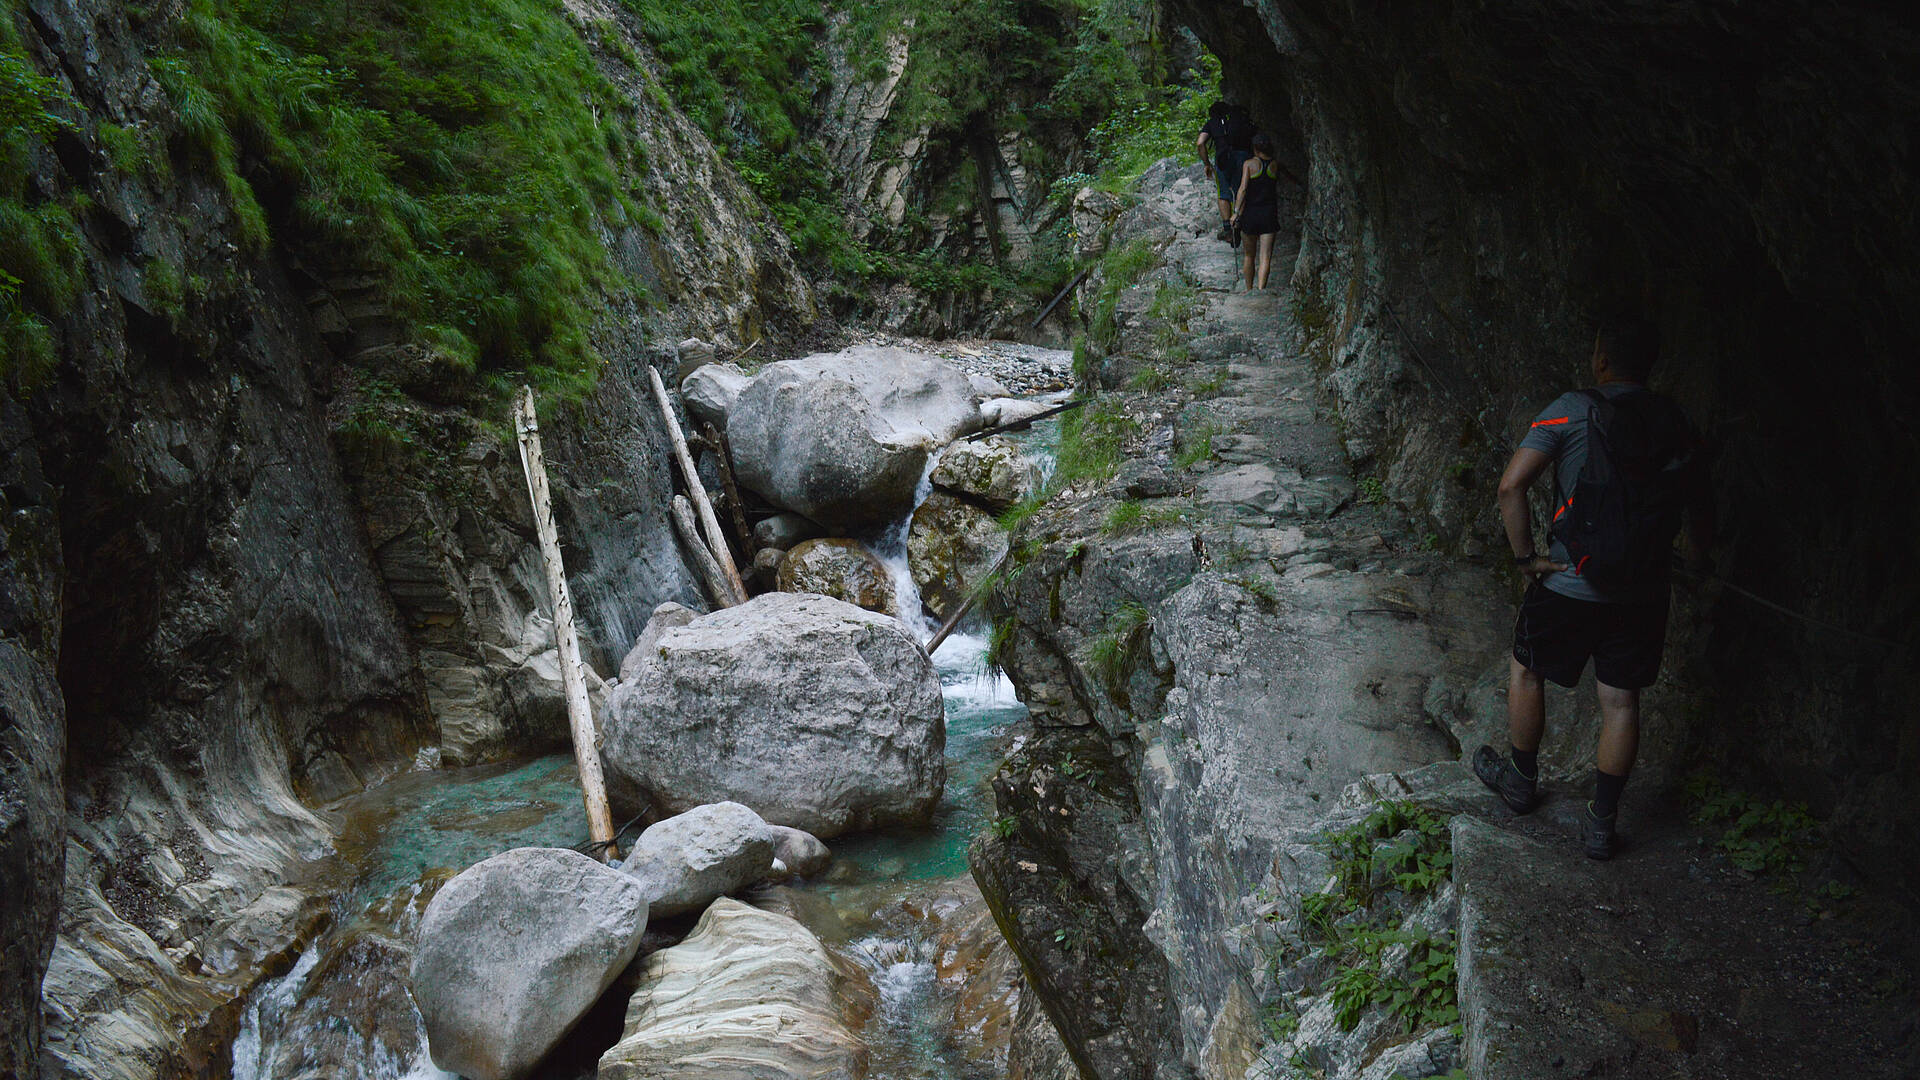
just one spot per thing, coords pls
(1150, 379)
(1760, 837)
(1004, 827)
(1371, 491)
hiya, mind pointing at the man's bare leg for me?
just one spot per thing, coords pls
(1526, 707)
(1619, 742)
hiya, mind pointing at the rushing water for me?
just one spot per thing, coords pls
(899, 903)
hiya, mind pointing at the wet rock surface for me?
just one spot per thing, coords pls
(748, 994)
(514, 950)
(952, 546)
(817, 714)
(842, 569)
(991, 472)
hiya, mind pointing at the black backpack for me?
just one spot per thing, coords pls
(1240, 129)
(1619, 522)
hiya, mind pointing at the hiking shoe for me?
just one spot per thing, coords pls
(1596, 833)
(1498, 772)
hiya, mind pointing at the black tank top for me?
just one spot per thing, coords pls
(1263, 190)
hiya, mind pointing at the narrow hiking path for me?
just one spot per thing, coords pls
(1223, 633)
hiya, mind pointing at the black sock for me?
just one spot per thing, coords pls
(1527, 761)
(1606, 793)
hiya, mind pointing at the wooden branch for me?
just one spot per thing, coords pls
(710, 573)
(722, 451)
(709, 524)
(586, 741)
(953, 620)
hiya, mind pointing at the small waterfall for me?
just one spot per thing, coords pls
(891, 549)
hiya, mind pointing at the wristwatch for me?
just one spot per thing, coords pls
(1525, 560)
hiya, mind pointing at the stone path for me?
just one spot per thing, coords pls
(1304, 636)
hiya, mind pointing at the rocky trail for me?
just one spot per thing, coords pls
(1237, 653)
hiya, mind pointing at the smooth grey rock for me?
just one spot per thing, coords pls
(514, 950)
(785, 530)
(815, 713)
(999, 411)
(987, 387)
(842, 569)
(844, 437)
(710, 391)
(803, 854)
(664, 618)
(992, 472)
(749, 995)
(688, 860)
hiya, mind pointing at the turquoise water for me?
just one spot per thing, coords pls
(450, 819)
(980, 706)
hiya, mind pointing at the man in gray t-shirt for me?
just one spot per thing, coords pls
(1564, 619)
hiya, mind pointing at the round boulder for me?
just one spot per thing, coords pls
(710, 391)
(815, 713)
(992, 472)
(689, 860)
(952, 546)
(514, 951)
(843, 438)
(841, 569)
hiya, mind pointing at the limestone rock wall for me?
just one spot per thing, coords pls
(226, 603)
(1484, 178)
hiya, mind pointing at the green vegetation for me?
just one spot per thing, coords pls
(1000, 640)
(1266, 595)
(1150, 379)
(1132, 516)
(40, 268)
(1120, 269)
(1004, 827)
(1760, 837)
(1108, 653)
(1196, 443)
(1405, 848)
(1091, 440)
(1211, 386)
(464, 152)
(1372, 491)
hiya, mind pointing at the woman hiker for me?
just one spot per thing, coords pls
(1256, 209)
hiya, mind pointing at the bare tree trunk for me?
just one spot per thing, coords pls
(709, 524)
(586, 742)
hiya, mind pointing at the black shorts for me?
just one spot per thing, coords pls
(1555, 634)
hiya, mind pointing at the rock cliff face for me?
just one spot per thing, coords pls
(1484, 179)
(234, 594)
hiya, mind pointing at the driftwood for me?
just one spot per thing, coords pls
(1062, 295)
(953, 620)
(716, 541)
(722, 452)
(1022, 425)
(710, 573)
(586, 744)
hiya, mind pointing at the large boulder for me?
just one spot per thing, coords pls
(747, 996)
(687, 861)
(664, 618)
(514, 950)
(710, 391)
(992, 472)
(815, 713)
(843, 438)
(801, 853)
(952, 546)
(842, 569)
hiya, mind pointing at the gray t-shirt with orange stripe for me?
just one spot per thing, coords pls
(1560, 432)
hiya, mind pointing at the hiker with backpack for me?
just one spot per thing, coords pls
(1256, 210)
(1229, 132)
(1626, 465)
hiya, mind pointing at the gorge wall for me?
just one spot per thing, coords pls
(1485, 179)
(265, 545)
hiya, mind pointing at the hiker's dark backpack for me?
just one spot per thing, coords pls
(1239, 130)
(1619, 521)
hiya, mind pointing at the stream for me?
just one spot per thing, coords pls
(899, 904)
